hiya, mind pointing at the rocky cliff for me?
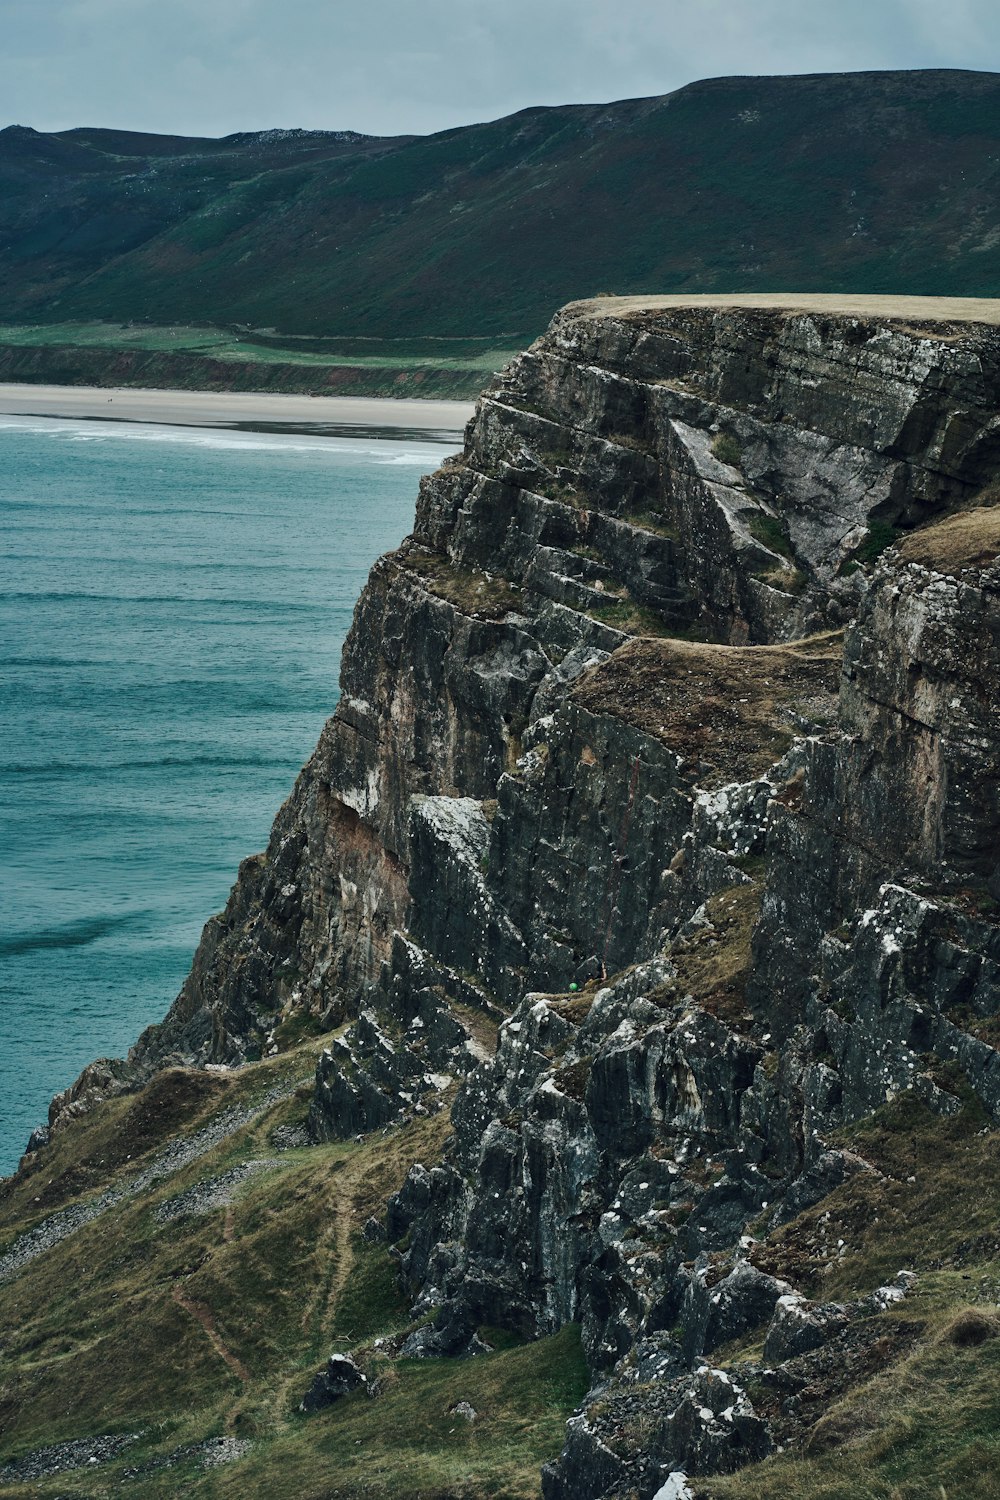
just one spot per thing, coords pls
(667, 743)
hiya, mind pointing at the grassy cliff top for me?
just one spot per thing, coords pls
(832, 304)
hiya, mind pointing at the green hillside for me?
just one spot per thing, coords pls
(876, 182)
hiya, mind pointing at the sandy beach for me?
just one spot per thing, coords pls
(242, 410)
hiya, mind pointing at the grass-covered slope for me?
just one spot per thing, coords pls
(196, 1307)
(223, 1264)
(851, 182)
(916, 1415)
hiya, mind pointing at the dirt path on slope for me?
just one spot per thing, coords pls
(203, 1315)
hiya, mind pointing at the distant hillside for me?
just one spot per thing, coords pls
(871, 182)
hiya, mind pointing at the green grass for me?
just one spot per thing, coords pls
(372, 1301)
(191, 357)
(407, 1442)
(770, 532)
(633, 618)
(946, 1216)
(877, 539)
(727, 450)
(928, 1425)
(215, 1322)
(928, 1429)
(476, 356)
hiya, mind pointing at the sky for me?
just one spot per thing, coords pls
(209, 67)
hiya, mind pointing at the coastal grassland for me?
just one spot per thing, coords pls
(200, 1303)
(408, 1442)
(240, 358)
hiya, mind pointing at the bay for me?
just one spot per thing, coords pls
(173, 604)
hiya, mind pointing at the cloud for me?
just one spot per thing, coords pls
(212, 66)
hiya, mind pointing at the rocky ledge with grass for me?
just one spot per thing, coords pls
(648, 870)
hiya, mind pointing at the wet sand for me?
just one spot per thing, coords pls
(247, 411)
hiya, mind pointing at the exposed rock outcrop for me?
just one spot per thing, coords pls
(646, 756)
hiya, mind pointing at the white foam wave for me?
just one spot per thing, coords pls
(409, 458)
(97, 431)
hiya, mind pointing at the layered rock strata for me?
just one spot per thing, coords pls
(645, 756)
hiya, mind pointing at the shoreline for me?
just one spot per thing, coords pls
(243, 411)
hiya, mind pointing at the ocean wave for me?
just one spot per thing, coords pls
(415, 459)
(56, 768)
(73, 663)
(268, 606)
(96, 430)
(70, 935)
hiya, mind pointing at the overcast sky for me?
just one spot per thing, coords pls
(208, 67)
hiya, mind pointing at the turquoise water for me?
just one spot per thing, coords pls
(173, 604)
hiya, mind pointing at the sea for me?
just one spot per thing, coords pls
(173, 604)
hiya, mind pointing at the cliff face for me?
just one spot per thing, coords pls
(646, 753)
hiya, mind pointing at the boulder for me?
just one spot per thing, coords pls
(340, 1377)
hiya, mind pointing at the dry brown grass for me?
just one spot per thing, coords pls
(712, 965)
(915, 311)
(970, 539)
(724, 707)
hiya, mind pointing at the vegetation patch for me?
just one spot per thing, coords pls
(713, 964)
(240, 358)
(970, 539)
(212, 1320)
(625, 614)
(654, 521)
(771, 533)
(85, 1152)
(919, 1417)
(372, 1301)
(573, 1080)
(726, 448)
(483, 596)
(725, 708)
(297, 1025)
(930, 1203)
(926, 1428)
(410, 1441)
(785, 580)
(877, 539)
